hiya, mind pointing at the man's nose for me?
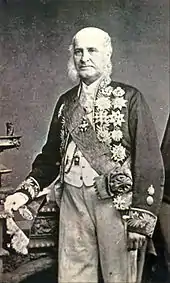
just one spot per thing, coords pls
(85, 56)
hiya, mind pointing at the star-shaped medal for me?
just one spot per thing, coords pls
(84, 125)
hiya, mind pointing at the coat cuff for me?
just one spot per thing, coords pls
(141, 221)
(29, 187)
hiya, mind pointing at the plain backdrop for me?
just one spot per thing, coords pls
(34, 40)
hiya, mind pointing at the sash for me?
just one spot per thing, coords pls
(96, 153)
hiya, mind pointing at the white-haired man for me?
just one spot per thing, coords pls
(103, 146)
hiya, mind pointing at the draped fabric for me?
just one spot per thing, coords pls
(166, 158)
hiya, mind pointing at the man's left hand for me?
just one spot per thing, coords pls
(135, 241)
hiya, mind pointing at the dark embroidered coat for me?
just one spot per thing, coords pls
(137, 139)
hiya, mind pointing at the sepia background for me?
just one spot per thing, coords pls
(34, 40)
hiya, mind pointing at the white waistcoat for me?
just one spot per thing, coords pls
(77, 169)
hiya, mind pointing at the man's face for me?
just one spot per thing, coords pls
(89, 56)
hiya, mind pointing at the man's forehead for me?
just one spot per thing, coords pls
(89, 38)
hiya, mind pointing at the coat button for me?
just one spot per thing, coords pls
(81, 178)
(149, 200)
(151, 190)
(76, 160)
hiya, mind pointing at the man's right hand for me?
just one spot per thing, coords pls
(15, 201)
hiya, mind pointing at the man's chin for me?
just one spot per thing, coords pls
(91, 76)
(86, 73)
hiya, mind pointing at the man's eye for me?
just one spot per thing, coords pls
(77, 52)
(92, 50)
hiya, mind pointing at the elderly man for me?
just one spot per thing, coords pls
(102, 148)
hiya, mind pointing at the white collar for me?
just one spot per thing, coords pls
(92, 87)
(87, 94)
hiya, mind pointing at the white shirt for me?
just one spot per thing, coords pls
(87, 94)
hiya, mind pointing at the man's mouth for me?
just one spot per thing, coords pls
(85, 67)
